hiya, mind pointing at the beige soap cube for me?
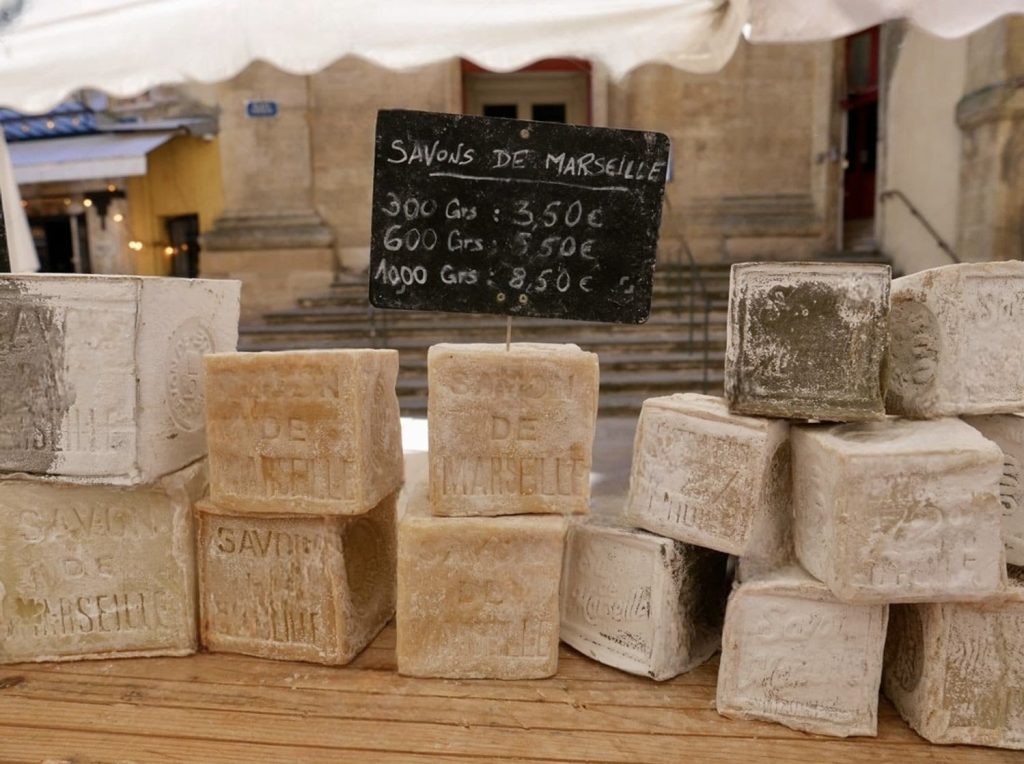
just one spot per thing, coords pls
(642, 603)
(1007, 431)
(100, 376)
(511, 430)
(704, 475)
(956, 339)
(89, 571)
(295, 587)
(807, 340)
(955, 671)
(793, 654)
(899, 510)
(478, 597)
(303, 431)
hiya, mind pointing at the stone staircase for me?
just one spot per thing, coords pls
(670, 353)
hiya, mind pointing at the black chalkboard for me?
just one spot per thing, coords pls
(483, 215)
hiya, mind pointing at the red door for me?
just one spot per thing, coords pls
(861, 105)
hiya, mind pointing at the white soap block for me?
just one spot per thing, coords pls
(1007, 431)
(899, 510)
(93, 571)
(956, 338)
(641, 603)
(955, 671)
(704, 475)
(793, 654)
(100, 376)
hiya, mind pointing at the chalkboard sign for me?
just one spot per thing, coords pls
(483, 215)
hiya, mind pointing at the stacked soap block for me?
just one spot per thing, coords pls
(851, 525)
(102, 456)
(296, 542)
(480, 549)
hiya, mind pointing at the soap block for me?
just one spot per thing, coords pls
(89, 571)
(642, 603)
(478, 597)
(955, 671)
(1007, 431)
(793, 654)
(956, 334)
(303, 431)
(511, 429)
(807, 340)
(899, 510)
(100, 376)
(706, 476)
(294, 587)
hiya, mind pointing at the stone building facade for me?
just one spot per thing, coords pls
(757, 155)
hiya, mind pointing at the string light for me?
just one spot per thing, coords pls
(111, 188)
(118, 217)
(67, 201)
(87, 202)
(135, 246)
(168, 250)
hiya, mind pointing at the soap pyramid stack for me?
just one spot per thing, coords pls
(480, 549)
(101, 457)
(864, 539)
(296, 542)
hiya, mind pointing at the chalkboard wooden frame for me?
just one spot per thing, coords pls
(517, 218)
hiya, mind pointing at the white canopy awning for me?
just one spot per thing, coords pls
(806, 20)
(83, 157)
(52, 47)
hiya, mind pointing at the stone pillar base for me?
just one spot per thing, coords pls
(277, 259)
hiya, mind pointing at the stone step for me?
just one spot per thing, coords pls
(469, 326)
(653, 342)
(413, 365)
(660, 382)
(663, 308)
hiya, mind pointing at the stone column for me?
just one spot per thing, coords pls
(991, 116)
(270, 235)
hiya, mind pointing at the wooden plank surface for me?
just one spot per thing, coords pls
(231, 708)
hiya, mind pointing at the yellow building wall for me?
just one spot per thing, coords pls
(182, 178)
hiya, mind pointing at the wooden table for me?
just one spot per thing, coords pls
(214, 708)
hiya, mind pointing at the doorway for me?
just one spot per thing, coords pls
(553, 90)
(183, 235)
(860, 102)
(62, 243)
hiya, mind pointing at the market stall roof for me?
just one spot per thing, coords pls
(84, 157)
(806, 20)
(52, 47)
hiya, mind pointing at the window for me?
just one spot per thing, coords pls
(554, 90)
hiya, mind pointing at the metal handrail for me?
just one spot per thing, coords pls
(696, 284)
(943, 245)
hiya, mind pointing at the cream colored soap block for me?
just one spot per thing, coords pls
(704, 475)
(807, 340)
(100, 376)
(296, 587)
(956, 338)
(793, 654)
(899, 510)
(90, 571)
(303, 431)
(511, 431)
(955, 671)
(478, 597)
(642, 603)
(1007, 431)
